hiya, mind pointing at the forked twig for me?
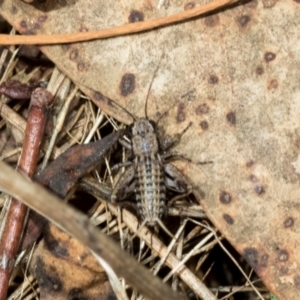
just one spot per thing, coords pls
(17, 212)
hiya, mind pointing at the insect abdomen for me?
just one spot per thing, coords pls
(150, 188)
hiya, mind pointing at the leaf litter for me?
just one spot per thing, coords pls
(194, 240)
(236, 109)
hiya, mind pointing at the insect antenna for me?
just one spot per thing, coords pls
(150, 85)
(124, 109)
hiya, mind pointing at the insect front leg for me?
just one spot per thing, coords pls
(174, 155)
(125, 144)
(176, 181)
(128, 146)
(121, 165)
(124, 186)
(169, 141)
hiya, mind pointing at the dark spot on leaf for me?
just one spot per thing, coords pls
(297, 278)
(110, 102)
(204, 125)
(251, 255)
(74, 54)
(42, 18)
(65, 47)
(264, 260)
(228, 219)
(269, 56)
(253, 178)
(297, 1)
(76, 294)
(14, 10)
(225, 197)
(250, 163)
(189, 5)
(259, 70)
(273, 84)
(213, 79)
(83, 28)
(80, 66)
(54, 246)
(180, 113)
(283, 255)
(212, 21)
(283, 271)
(23, 24)
(243, 20)
(269, 3)
(36, 26)
(297, 142)
(29, 32)
(259, 189)
(202, 109)
(251, 4)
(288, 222)
(127, 84)
(98, 96)
(47, 278)
(231, 118)
(135, 16)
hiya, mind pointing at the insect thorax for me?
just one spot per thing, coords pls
(144, 139)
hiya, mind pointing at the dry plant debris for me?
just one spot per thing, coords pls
(52, 261)
(16, 215)
(234, 75)
(65, 269)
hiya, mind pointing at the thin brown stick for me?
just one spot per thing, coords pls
(78, 225)
(44, 39)
(17, 212)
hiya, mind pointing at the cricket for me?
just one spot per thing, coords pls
(148, 173)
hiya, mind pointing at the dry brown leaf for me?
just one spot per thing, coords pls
(234, 75)
(65, 269)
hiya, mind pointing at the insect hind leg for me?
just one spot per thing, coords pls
(177, 182)
(124, 186)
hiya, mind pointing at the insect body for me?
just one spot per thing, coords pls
(150, 189)
(148, 174)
